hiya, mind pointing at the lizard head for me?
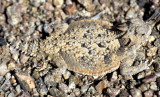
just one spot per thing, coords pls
(139, 31)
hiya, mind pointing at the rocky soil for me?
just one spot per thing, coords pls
(24, 23)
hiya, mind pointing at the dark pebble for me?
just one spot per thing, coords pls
(56, 93)
(149, 79)
(124, 93)
(157, 43)
(158, 81)
(2, 41)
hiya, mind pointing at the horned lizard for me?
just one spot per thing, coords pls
(91, 47)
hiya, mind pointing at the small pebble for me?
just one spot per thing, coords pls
(55, 77)
(2, 41)
(35, 3)
(35, 92)
(14, 13)
(55, 92)
(2, 21)
(23, 58)
(8, 75)
(148, 93)
(101, 85)
(153, 86)
(3, 68)
(47, 28)
(74, 79)
(128, 77)
(157, 74)
(15, 53)
(18, 89)
(68, 2)
(43, 90)
(72, 85)
(52, 80)
(84, 88)
(88, 4)
(14, 19)
(144, 87)
(13, 80)
(66, 75)
(63, 87)
(140, 75)
(114, 76)
(92, 90)
(158, 81)
(26, 81)
(58, 3)
(151, 39)
(70, 9)
(11, 94)
(124, 93)
(48, 6)
(40, 27)
(76, 91)
(11, 66)
(133, 83)
(136, 92)
(150, 78)
(35, 74)
(113, 92)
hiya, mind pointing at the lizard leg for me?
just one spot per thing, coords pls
(131, 70)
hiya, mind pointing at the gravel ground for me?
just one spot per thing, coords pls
(24, 23)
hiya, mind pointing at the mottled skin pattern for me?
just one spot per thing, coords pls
(91, 47)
